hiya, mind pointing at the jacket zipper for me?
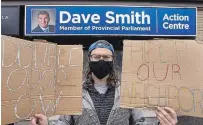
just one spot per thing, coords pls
(92, 108)
(114, 106)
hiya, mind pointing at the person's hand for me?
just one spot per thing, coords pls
(39, 119)
(166, 116)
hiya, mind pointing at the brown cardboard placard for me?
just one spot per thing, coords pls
(69, 85)
(30, 75)
(163, 73)
(40, 40)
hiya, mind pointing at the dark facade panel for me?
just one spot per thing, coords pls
(173, 3)
(119, 0)
(10, 20)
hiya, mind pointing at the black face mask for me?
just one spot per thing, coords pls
(101, 68)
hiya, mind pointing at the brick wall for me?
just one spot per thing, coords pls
(200, 24)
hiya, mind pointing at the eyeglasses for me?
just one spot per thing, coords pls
(95, 57)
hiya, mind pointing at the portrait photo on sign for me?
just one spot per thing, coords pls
(43, 20)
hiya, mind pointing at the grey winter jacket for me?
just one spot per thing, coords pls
(118, 116)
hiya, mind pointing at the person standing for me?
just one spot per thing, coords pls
(101, 96)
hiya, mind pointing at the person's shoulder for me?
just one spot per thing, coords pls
(37, 29)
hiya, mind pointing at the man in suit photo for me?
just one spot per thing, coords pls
(43, 23)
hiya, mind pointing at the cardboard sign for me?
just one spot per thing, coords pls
(40, 77)
(163, 73)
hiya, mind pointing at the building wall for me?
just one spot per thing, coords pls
(200, 24)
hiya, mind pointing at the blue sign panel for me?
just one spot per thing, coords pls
(109, 20)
